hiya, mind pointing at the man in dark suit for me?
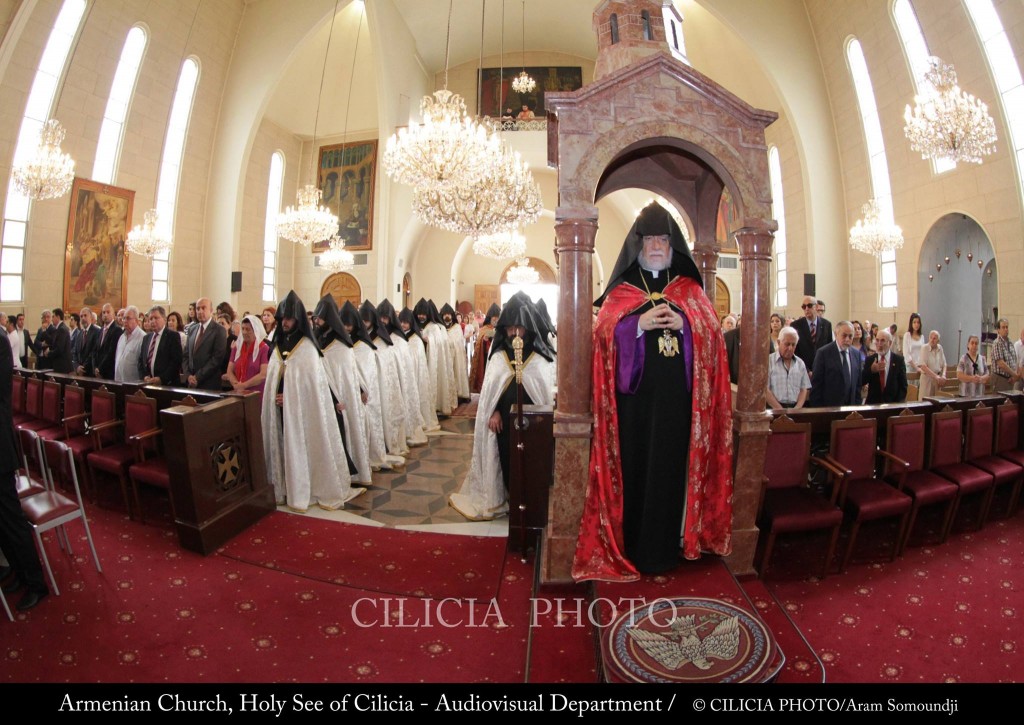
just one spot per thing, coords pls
(75, 323)
(57, 356)
(88, 341)
(105, 354)
(815, 333)
(206, 347)
(24, 569)
(26, 339)
(885, 373)
(44, 337)
(836, 379)
(160, 355)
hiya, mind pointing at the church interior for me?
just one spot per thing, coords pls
(765, 126)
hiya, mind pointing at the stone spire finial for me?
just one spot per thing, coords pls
(629, 30)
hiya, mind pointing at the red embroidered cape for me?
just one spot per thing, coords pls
(707, 519)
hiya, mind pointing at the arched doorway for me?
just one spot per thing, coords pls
(343, 287)
(723, 302)
(958, 297)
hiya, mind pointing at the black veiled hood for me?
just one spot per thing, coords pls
(654, 220)
(426, 307)
(350, 316)
(327, 310)
(386, 309)
(407, 316)
(291, 306)
(545, 318)
(520, 310)
(493, 313)
(377, 331)
(448, 310)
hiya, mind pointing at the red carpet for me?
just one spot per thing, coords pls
(802, 663)
(406, 563)
(563, 646)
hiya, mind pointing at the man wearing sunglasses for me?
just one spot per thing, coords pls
(815, 332)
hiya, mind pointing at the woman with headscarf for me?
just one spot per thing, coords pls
(407, 379)
(343, 376)
(418, 352)
(249, 356)
(483, 346)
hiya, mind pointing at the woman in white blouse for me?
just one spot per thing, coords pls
(913, 341)
(972, 372)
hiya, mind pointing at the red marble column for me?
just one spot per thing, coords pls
(575, 230)
(750, 422)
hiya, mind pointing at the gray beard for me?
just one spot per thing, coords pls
(654, 268)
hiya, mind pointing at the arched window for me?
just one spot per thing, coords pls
(170, 169)
(779, 212)
(38, 110)
(613, 23)
(879, 166)
(108, 149)
(270, 227)
(645, 24)
(916, 50)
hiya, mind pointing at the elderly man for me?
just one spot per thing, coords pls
(885, 373)
(835, 379)
(788, 382)
(159, 360)
(815, 332)
(1005, 363)
(57, 355)
(101, 364)
(126, 360)
(44, 336)
(88, 341)
(931, 363)
(205, 349)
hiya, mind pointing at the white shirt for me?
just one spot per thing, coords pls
(126, 362)
(17, 340)
(1019, 347)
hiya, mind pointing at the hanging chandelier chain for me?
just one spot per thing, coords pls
(448, 44)
(320, 95)
(524, 36)
(352, 75)
(480, 62)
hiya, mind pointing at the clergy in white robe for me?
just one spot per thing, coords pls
(484, 492)
(389, 388)
(343, 375)
(418, 351)
(439, 360)
(407, 380)
(457, 346)
(305, 455)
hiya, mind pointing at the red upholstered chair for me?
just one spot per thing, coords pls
(863, 495)
(1008, 440)
(946, 461)
(905, 437)
(77, 426)
(33, 415)
(18, 399)
(788, 505)
(115, 458)
(30, 477)
(978, 452)
(150, 465)
(51, 407)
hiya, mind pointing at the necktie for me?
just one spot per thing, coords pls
(199, 337)
(814, 335)
(881, 374)
(103, 335)
(846, 370)
(152, 351)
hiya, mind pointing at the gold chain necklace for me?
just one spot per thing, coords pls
(668, 343)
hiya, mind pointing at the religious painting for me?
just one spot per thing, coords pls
(498, 98)
(346, 177)
(95, 267)
(725, 222)
(343, 287)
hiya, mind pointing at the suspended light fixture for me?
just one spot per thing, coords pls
(503, 245)
(49, 172)
(872, 235)
(947, 122)
(448, 148)
(522, 273)
(523, 83)
(148, 239)
(307, 222)
(337, 258)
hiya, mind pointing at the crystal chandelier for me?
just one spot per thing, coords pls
(48, 174)
(522, 273)
(523, 83)
(337, 258)
(871, 235)
(503, 245)
(947, 122)
(307, 222)
(148, 239)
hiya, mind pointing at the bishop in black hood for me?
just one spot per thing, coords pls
(334, 329)
(452, 319)
(350, 318)
(520, 311)
(291, 308)
(387, 310)
(377, 331)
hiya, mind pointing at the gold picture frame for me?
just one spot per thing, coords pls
(346, 175)
(95, 263)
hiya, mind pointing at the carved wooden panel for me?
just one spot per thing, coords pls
(344, 288)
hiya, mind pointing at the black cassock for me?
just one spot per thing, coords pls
(506, 408)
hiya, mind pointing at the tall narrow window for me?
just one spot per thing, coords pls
(1005, 72)
(108, 150)
(645, 24)
(40, 104)
(613, 24)
(916, 50)
(270, 227)
(170, 169)
(779, 212)
(877, 162)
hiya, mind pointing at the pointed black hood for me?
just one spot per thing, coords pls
(448, 310)
(520, 310)
(350, 316)
(545, 318)
(377, 332)
(291, 306)
(386, 309)
(407, 316)
(654, 220)
(327, 310)
(493, 313)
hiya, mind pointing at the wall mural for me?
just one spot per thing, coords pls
(346, 176)
(95, 268)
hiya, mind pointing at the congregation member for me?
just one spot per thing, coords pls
(389, 389)
(26, 339)
(160, 355)
(482, 347)
(250, 355)
(484, 492)
(836, 376)
(972, 370)
(1018, 347)
(176, 325)
(44, 335)
(884, 373)
(269, 323)
(418, 351)
(913, 341)
(788, 382)
(57, 356)
(457, 351)
(101, 363)
(931, 363)
(15, 339)
(89, 340)
(74, 324)
(129, 346)
(1006, 372)
(225, 321)
(815, 333)
(441, 367)
(407, 379)
(206, 348)
(301, 441)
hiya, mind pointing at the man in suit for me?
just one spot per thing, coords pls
(26, 339)
(44, 337)
(88, 341)
(75, 324)
(814, 332)
(160, 356)
(24, 569)
(206, 348)
(885, 373)
(57, 356)
(836, 378)
(105, 354)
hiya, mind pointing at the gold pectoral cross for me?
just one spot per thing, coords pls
(668, 344)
